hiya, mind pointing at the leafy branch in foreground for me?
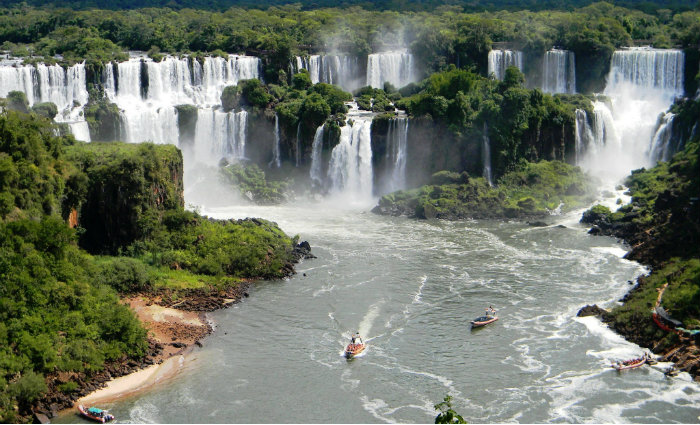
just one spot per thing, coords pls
(447, 415)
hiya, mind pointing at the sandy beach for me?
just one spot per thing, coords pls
(175, 330)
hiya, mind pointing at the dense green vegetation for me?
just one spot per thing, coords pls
(59, 305)
(445, 35)
(252, 183)
(522, 123)
(416, 5)
(531, 190)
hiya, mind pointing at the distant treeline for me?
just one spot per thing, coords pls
(398, 5)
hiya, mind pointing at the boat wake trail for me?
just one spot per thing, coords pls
(368, 320)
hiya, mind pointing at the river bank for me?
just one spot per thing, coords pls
(176, 322)
(661, 224)
(173, 332)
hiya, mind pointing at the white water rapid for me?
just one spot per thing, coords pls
(499, 60)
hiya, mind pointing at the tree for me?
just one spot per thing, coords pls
(447, 415)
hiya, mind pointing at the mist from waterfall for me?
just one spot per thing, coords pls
(641, 85)
(559, 72)
(499, 60)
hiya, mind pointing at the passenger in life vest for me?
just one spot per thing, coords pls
(355, 340)
(490, 312)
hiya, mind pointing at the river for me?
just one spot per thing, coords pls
(410, 288)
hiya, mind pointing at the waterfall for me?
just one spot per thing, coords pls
(559, 72)
(660, 148)
(343, 71)
(597, 142)
(641, 85)
(350, 168)
(220, 135)
(646, 68)
(148, 108)
(316, 172)
(65, 87)
(397, 138)
(486, 154)
(583, 134)
(392, 67)
(499, 60)
(276, 146)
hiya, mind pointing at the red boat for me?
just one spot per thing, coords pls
(629, 364)
(483, 321)
(353, 350)
(95, 414)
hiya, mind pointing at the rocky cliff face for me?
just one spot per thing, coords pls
(123, 186)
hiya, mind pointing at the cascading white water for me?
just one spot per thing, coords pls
(659, 70)
(350, 168)
(583, 134)
(218, 73)
(392, 67)
(499, 60)
(343, 71)
(151, 115)
(559, 72)
(486, 154)
(220, 135)
(596, 138)
(660, 148)
(397, 141)
(641, 85)
(316, 172)
(276, 146)
(66, 88)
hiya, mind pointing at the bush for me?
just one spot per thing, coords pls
(301, 80)
(230, 98)
(46, 109)
(254, 93)
(17, 101)
(126, 275)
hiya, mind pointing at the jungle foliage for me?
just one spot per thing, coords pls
(59, 305)
(438, 36)
(530, 190)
